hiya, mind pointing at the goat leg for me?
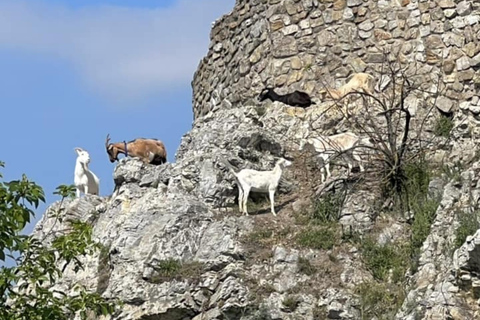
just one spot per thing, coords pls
(240, 199)
(272, 201)
(246, 192)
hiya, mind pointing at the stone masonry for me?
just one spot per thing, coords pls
(307, 44)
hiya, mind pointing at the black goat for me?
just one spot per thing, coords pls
(295, 99)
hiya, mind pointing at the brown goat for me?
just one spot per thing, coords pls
(148, 150)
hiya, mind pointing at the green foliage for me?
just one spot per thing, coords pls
(327, 209)
(305, 267)
(317, 238)
(416, 175)
(170, 269)
(454, 172)
(65, 191)
(26, 287)
(380, 259)
(290, 303)
(424, 215)
(379, 301)
(469, 224)
(443, 126)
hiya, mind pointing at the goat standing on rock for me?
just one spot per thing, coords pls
(328, 146)
(295, 99)
(148, 150)
(359, 82)
(85, 180)
(257, 181)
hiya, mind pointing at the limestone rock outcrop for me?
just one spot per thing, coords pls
(182, 216)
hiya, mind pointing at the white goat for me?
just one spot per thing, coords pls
(258, 181)
(326, 146)
(85, 180)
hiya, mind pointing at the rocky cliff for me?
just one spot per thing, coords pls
(175, 245)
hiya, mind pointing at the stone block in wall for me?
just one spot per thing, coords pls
(256, 55)
(434, 42)
(307, 45)
(357, 64)
(472, 19)
(327, 16)
(291, 29)
(354, 3)
(364, 34)
(244, 67)
(463, 63)
(317, 22)
(413, 21)
(458, 22)
(339, 4)
(292, 7)
(362, 11)
(437, 14)
(455, 53)
(325, 38)
(281, 80)
(379, 34)
(464, 8)
(276, 25)
(284, 47)
(375, 57)
(470, 49)
(296, 63)
(469, 34)
(448, 66)
(294, 76)
(437, 27)
(342, 72)
(475, 61)
(450, 13)
(447, 26)
(333, 63)
(337, 15)
(367, 25)
(466, 75)
(445, 4)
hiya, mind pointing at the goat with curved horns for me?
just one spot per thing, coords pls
(151, 151)
(295, 99)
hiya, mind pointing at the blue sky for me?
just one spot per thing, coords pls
(75, 70)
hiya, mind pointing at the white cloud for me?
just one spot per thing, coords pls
(122, 53)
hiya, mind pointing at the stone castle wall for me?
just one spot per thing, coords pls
(306, 44)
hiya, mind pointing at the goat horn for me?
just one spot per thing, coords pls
(107, 141)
